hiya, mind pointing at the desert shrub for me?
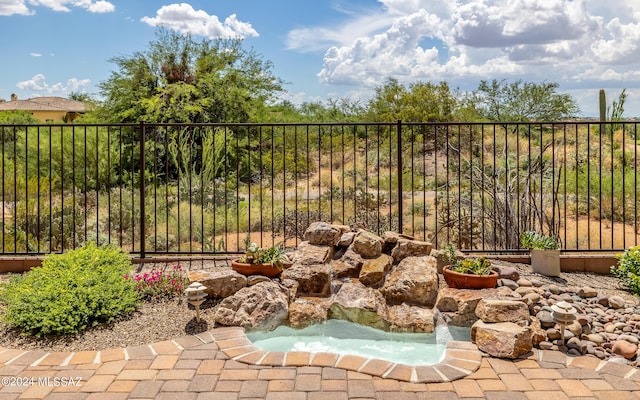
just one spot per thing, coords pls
(70, 292)
(628, 269)
(156, 284)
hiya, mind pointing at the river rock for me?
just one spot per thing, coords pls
(507, 272)
(498, 310)
(357, 303)
(406, 318)
(587, 292)
(312, 254)
(459, 305)
(410, 248)
(322, 233)
(413, 281)
(624, 349)
(616, 302)
(264, 306)
(219, 283)
(313, 280)
(503, 340)
(367, 244)
(374, 270)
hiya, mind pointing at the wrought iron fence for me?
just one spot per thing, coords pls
(205, 189)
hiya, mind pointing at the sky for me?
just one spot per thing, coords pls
(327, 49)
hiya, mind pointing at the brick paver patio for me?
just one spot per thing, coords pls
(220, 364)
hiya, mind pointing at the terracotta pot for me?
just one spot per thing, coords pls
(457, 280)
(255, 269)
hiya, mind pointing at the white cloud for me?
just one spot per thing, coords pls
(184, 19)
(35, 54)
(11, 7)
(480, 39)
(39, 84)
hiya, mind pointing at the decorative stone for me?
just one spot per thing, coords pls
(312, 254)
(357, 303)
(624, 349)
(413, 281)
(346, 239)
(508, 283)
(313, 280)
(459, 306)
(219, 283)
(546, 319)
(510, 273)
(304, 312)
(264, 306)
(503, 340)
(410, 248)
(406, 318)
(353, 258)
(498, 310)
(374, 270)
(255, 279)
(322, 233)
(616, 302)
(342, 269)
(367, 244)
(587, 292)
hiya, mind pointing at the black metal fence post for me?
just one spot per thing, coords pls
(399, 125)
(142, 189)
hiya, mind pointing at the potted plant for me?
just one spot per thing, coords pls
(544, 252)
(470, 273)
(261, 261)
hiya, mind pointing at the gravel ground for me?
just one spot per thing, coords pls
(168, 319)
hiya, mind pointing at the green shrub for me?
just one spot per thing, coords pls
(628, 269)
(70, 292)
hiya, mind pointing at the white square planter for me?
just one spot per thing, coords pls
(545, 262)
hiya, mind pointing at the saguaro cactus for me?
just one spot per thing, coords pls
(603, 106)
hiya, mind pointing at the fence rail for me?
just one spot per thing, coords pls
(205, 188)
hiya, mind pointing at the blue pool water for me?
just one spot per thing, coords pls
(342, 337)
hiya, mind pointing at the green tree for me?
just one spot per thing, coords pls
(419, 102)
(519, 101)
(177, 79)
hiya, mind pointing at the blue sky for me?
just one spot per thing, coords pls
(339, 48)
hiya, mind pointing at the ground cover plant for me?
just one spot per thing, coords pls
(70, 292)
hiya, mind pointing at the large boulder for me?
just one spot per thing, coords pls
(264, 306)
(342, 269)
(459, 305)
(503, 339)
(413, 281)
(322, 233)
(410, 248)
(310, 254)
(374, 270)
(406, 318)
(313, 280)
(499, 310)
(352, 258)
(367, 244)
(305, 312)
(357, 303)
(219, 283)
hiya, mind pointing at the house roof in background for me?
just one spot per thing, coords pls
(44, 104)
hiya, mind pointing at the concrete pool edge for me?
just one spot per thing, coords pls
(461, 360)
